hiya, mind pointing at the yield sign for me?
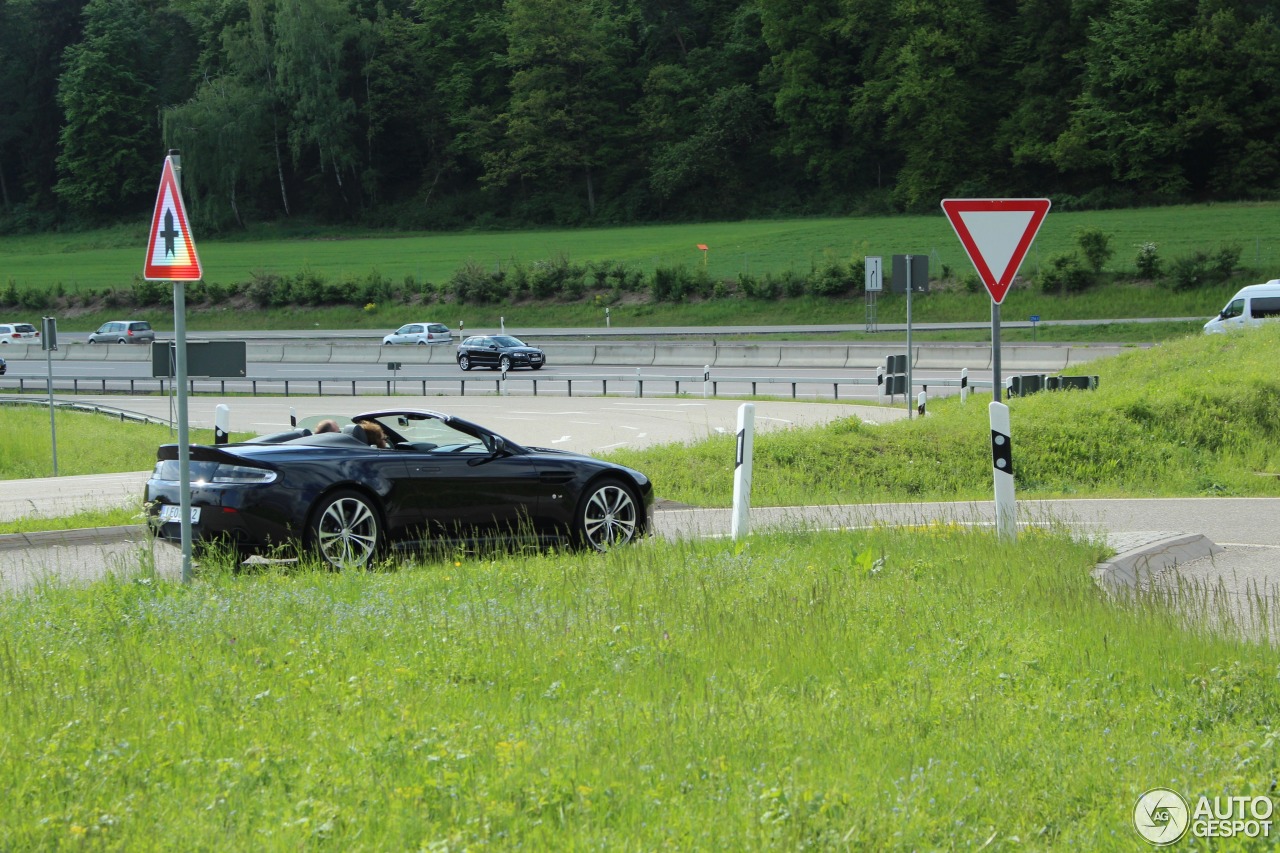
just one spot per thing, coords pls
(171, 253)
(996, 232)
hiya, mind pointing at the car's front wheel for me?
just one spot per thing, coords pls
(537, 366)
(92, 341)
(608, 515)
(504, 364)
(464, 362)
(346, 530)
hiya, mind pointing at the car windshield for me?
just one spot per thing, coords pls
(507, 341)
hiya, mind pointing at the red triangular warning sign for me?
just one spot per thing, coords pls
(171, 253)
(996, 232)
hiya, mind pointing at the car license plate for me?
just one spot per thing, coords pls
(173, 512)
(535, 357)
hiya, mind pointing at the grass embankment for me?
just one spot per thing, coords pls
(787, 693)
(113, 257)
(1196, 416)
(88, 443)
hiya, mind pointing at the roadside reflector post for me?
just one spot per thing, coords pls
(639, 384)
(920, 400)
(221, 423)
(964, 385)
(742, 470)
(1002, 471)
(706, 379)
(504, 382)
(293, 417)
(880, 383)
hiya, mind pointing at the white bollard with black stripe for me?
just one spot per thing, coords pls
(221, 423)
(964, 385)
(1002, 471)
(742, 470)
(920, 401)
(880, 382)
(293, 417)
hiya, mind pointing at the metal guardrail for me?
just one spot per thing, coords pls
(94, 408)
(622, 384)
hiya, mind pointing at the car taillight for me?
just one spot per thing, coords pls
(129, 332)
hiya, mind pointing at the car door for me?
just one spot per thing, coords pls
(470, 492)
(483, 352)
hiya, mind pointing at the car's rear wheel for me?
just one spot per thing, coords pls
(121, 341)
(504, 363)
(464, 362)
(421, 342)
(608, 515)
(346, 530)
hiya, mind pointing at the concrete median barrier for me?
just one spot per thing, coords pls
(625, 355)
(269, 353)
(569, 353)
(306, 354)
(126, 352)
(825, 355)
(1032, 358)
(682, 355)
(747, 355)
(974, 356)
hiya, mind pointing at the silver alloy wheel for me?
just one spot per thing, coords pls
(346, 531)
(609, 516)
(504, 363)
(464, 362)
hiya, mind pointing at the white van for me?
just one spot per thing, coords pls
(1249, 307)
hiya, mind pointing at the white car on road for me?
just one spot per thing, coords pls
(420, 333)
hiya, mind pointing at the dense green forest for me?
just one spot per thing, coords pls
(452, 113)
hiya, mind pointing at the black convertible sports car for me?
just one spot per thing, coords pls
(439, 479)
(499, 352)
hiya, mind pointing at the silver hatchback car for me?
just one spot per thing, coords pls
(123, 332)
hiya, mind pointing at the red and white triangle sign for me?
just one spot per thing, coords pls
(171, 253)
(996, 232)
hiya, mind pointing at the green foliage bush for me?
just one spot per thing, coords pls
(1095, 245)
(473, 283)
(831, 279)
(1066, 274)
(1148, 261)
(1204, 268)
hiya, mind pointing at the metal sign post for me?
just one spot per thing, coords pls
(171, 256)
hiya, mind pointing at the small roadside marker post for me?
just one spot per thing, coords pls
(964, 385)
(742, 471)
(1002, 472)
(221, 423)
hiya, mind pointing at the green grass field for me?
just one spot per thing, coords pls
(788, 693)
(114, 258)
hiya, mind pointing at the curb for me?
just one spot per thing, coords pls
(1128, 570)
(74, 537)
